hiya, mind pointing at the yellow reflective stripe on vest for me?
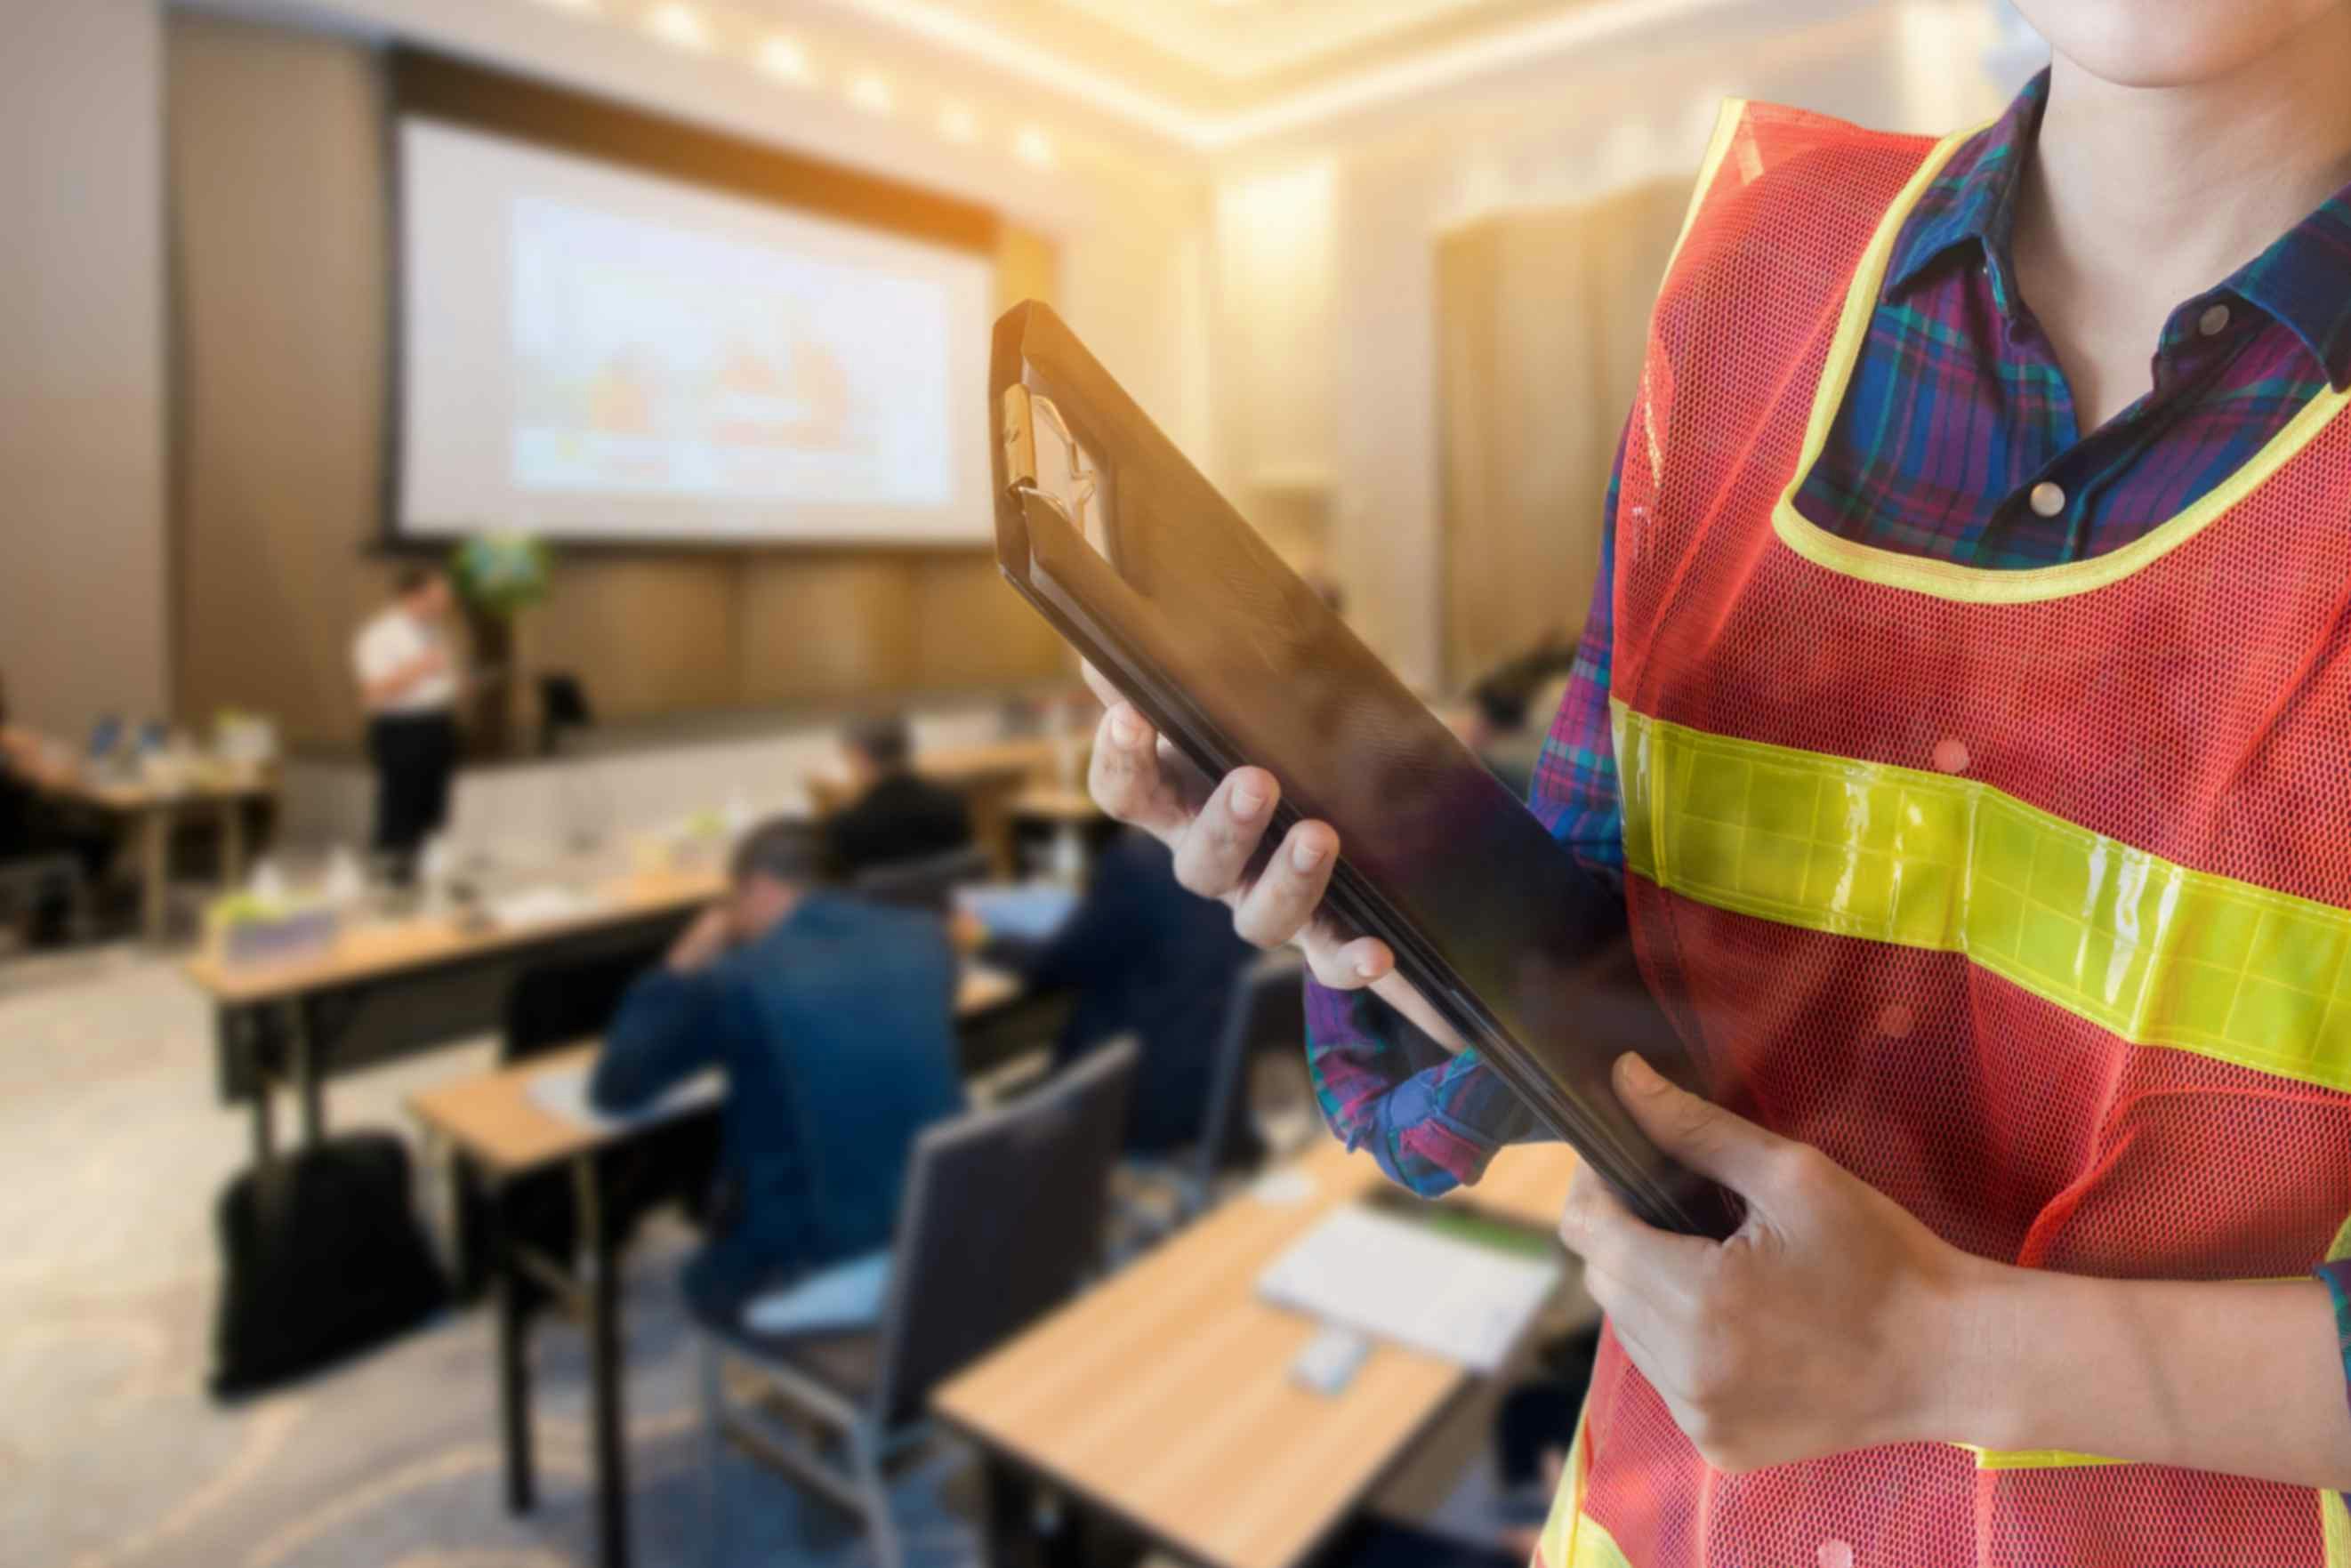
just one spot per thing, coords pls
(2144, 948)
(1572, 1538)
(2033, 1458)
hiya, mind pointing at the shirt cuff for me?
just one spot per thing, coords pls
(2338, 1278)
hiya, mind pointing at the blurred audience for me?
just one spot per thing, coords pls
(898, 814)
(34, 823)
(409, 683)
(1145, 958)
(834, 1021)
(1511, 708)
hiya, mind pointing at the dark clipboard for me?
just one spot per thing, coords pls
(1138, 562)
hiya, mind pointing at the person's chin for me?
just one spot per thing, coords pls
(2167, 43)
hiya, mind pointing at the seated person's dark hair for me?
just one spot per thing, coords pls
(885, 741)
(412, 577)
(787, 851)
(1505, 693)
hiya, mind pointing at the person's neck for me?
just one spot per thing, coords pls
(2139, 198)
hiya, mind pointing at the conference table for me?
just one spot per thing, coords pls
(152, 812)
(284, 1023)
(498, 1124)
(1162, 1397)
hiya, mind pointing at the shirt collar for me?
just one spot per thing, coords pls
(2304, 280)
(1971, 204)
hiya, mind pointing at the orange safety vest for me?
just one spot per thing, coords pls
(2020, 893)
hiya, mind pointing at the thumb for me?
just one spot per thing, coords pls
(1702, 1136)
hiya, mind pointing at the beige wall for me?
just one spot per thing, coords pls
(1541, 326)
(82, 560)
(278, 177)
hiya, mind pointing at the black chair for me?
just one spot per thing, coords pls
(563, 706)
(565, 1002)
(29, 884)
(1267, 1013)
(1003, 1220)
(928, 883)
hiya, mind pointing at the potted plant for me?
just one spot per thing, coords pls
(497, 574)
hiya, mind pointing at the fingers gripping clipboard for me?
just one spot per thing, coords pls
(1139, 563)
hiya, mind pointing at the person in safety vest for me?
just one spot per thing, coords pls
(1966, 713)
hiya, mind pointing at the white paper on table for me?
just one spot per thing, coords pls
(1024, 911)
(538, 906)
(1402, 1280)
(564, 1096)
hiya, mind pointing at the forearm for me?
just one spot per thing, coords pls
(662, 1035)
(2244, 1379)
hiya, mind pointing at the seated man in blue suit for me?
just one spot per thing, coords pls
(834, 1023)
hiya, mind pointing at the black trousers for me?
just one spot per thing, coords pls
(414, 756)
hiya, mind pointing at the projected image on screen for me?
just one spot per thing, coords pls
(656, 361)
(594, 353)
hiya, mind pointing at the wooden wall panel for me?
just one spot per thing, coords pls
(818, 628)
(278, 288)
(279, 291)
(647, 634)
(969, 626)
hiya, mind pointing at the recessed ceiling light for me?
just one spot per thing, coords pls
(872, 94)
(678, 25)
(1034, 147)
(784, 60)
(957, 124)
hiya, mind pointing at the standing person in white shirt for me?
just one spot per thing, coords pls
(409, 682)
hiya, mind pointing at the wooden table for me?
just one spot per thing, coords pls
(1057, 805)
(281, 1022)
(1161, 1396)
(153, 811)
(492, 1122)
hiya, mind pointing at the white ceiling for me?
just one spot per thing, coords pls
(1215, 74)
(1244, 40)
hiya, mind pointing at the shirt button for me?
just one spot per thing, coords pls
(2214, 321)
(2048, 499)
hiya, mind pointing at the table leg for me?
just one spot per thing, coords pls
(514, 1348)
(265, 1139)
(154, 871)
(604, 1366)
(237, 1034)
(1020, 1534)
(309, 1077)
(232, 843)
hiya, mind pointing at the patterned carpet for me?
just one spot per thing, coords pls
(113, 1150)
(112, 1456)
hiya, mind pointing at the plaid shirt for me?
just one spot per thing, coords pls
(1957, 411)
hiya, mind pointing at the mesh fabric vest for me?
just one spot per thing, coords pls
(2020, 893)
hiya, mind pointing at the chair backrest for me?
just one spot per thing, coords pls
(1003, 1220)
(564, 701)
(571, 999)
(927, 883)
(1268, 1011)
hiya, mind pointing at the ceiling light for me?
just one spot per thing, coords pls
(957, 124)
(1033, 147)
(872, 94)
(784, 60)
(583, 7)
(678, 25)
